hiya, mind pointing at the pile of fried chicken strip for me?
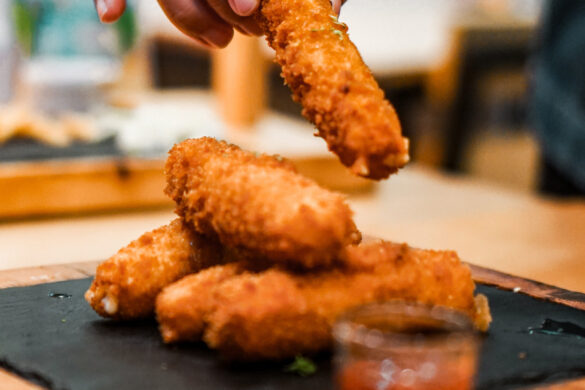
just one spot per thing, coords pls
(261, 261)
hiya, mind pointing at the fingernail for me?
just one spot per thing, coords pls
(102, 8)
(244, 7)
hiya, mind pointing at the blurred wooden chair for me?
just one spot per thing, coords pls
(482, 46)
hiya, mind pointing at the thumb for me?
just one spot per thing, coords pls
(244, 7)
(336, 4)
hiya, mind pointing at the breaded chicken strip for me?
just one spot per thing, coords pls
(257, 204)
(277, 314)
(328, 77)
(126, 285)
(194, 294)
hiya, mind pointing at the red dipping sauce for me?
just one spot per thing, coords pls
(405, 346)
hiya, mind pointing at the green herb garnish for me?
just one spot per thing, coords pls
(338, 33)
(336, 21)
(302, 366)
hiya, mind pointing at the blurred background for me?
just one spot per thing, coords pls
(72, 88)
(88, 111)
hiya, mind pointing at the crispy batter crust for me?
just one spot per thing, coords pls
(257, 204)
(126, 285)
(277, 314)
(194, 294)
(328, 77)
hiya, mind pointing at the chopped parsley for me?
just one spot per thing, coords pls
(302, 366)
(335, 31)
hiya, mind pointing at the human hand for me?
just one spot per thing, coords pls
(210, 22)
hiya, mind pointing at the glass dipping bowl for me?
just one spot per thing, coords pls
(402, 345)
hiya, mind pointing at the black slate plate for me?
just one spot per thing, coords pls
(62, 344)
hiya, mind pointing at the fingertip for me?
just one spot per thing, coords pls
(109, 17)
(110, 11)
(245, 24)
(199, 21)
(244, 7)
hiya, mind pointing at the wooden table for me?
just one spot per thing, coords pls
(46, 274)
(512, 232)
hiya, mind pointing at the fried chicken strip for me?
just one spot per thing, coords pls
(126, 285)
(277, 314)
(328, 77)
(257, 204)
(194, 294)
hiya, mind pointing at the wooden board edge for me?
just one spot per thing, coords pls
(9, 381)
(31, 276)
(575, 384)
(528, 287)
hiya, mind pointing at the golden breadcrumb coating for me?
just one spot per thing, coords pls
(194, 293)
(276, 314)
(328, 77)
(257, 204)
(126, 285)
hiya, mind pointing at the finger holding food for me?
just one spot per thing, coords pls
(210, 22)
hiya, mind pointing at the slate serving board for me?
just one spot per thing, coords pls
(60, 343)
